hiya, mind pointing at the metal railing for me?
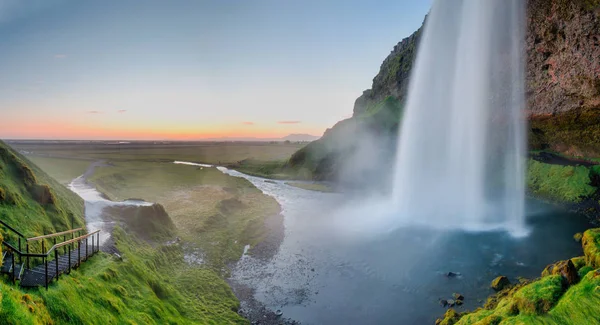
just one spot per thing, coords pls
(67, 244)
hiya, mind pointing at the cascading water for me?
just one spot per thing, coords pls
(461, 145)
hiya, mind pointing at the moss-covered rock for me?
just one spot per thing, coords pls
(539, 297)
(450, 318)
(577, 237)
(579, 262)
(500, 283)
(566, 269)
(591, 247)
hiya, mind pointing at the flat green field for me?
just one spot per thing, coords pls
(202, 152)
(63, 170)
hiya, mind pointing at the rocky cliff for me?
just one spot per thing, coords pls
(563, 94)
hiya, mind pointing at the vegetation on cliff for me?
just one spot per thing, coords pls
(560, 296)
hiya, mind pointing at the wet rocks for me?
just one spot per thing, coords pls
(457, 300)
(500, 283)
(452, 274)
(564, 268)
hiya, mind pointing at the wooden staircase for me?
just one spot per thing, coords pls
(47, 264)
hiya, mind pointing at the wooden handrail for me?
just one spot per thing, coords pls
(65, 243)
(54, 235)
(74, 240)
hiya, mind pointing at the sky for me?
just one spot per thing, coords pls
(190, 70)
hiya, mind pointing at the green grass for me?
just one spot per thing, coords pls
(546, 300)
(21, 205)
(311, 186)
(63, 170)
(561, 183)
(152, 283)
(220, 153)
(218, 213)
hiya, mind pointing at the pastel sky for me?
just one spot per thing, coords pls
(187, 70)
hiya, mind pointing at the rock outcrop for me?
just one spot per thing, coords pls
(563, 90)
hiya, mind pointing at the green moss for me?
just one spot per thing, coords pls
(578, 262)
(563, 183)
(577, 237)
(584, 271)
(591, 247)
(539, 297)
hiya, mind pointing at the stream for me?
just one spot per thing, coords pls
(327, 271)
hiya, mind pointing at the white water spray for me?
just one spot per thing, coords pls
(462, 143)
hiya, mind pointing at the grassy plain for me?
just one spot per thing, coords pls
(150, 284)
(221, 153)
(63, 170)
(218, 214)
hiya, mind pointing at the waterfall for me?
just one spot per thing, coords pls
(461, 147)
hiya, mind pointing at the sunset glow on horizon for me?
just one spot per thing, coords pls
(189, 70)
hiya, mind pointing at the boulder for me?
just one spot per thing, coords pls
(567, 270)
(500, 283)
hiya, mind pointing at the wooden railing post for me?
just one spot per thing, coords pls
(64, 247)
(98, 240)
(69, 268)
(93, 250)
(86, 248)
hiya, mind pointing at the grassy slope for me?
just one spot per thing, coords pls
(150, 285)
(20, 180)
(218, 213)
(547, 300)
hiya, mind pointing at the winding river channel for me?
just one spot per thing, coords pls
(326, 272)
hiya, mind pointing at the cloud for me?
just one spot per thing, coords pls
(248, 123)
(60, 56)
(289, 122)
(122, 111)
(94, 112)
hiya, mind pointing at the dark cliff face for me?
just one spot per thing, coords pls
(563, 91)
(563, 56)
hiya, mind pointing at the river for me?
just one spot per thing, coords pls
(327, 271)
